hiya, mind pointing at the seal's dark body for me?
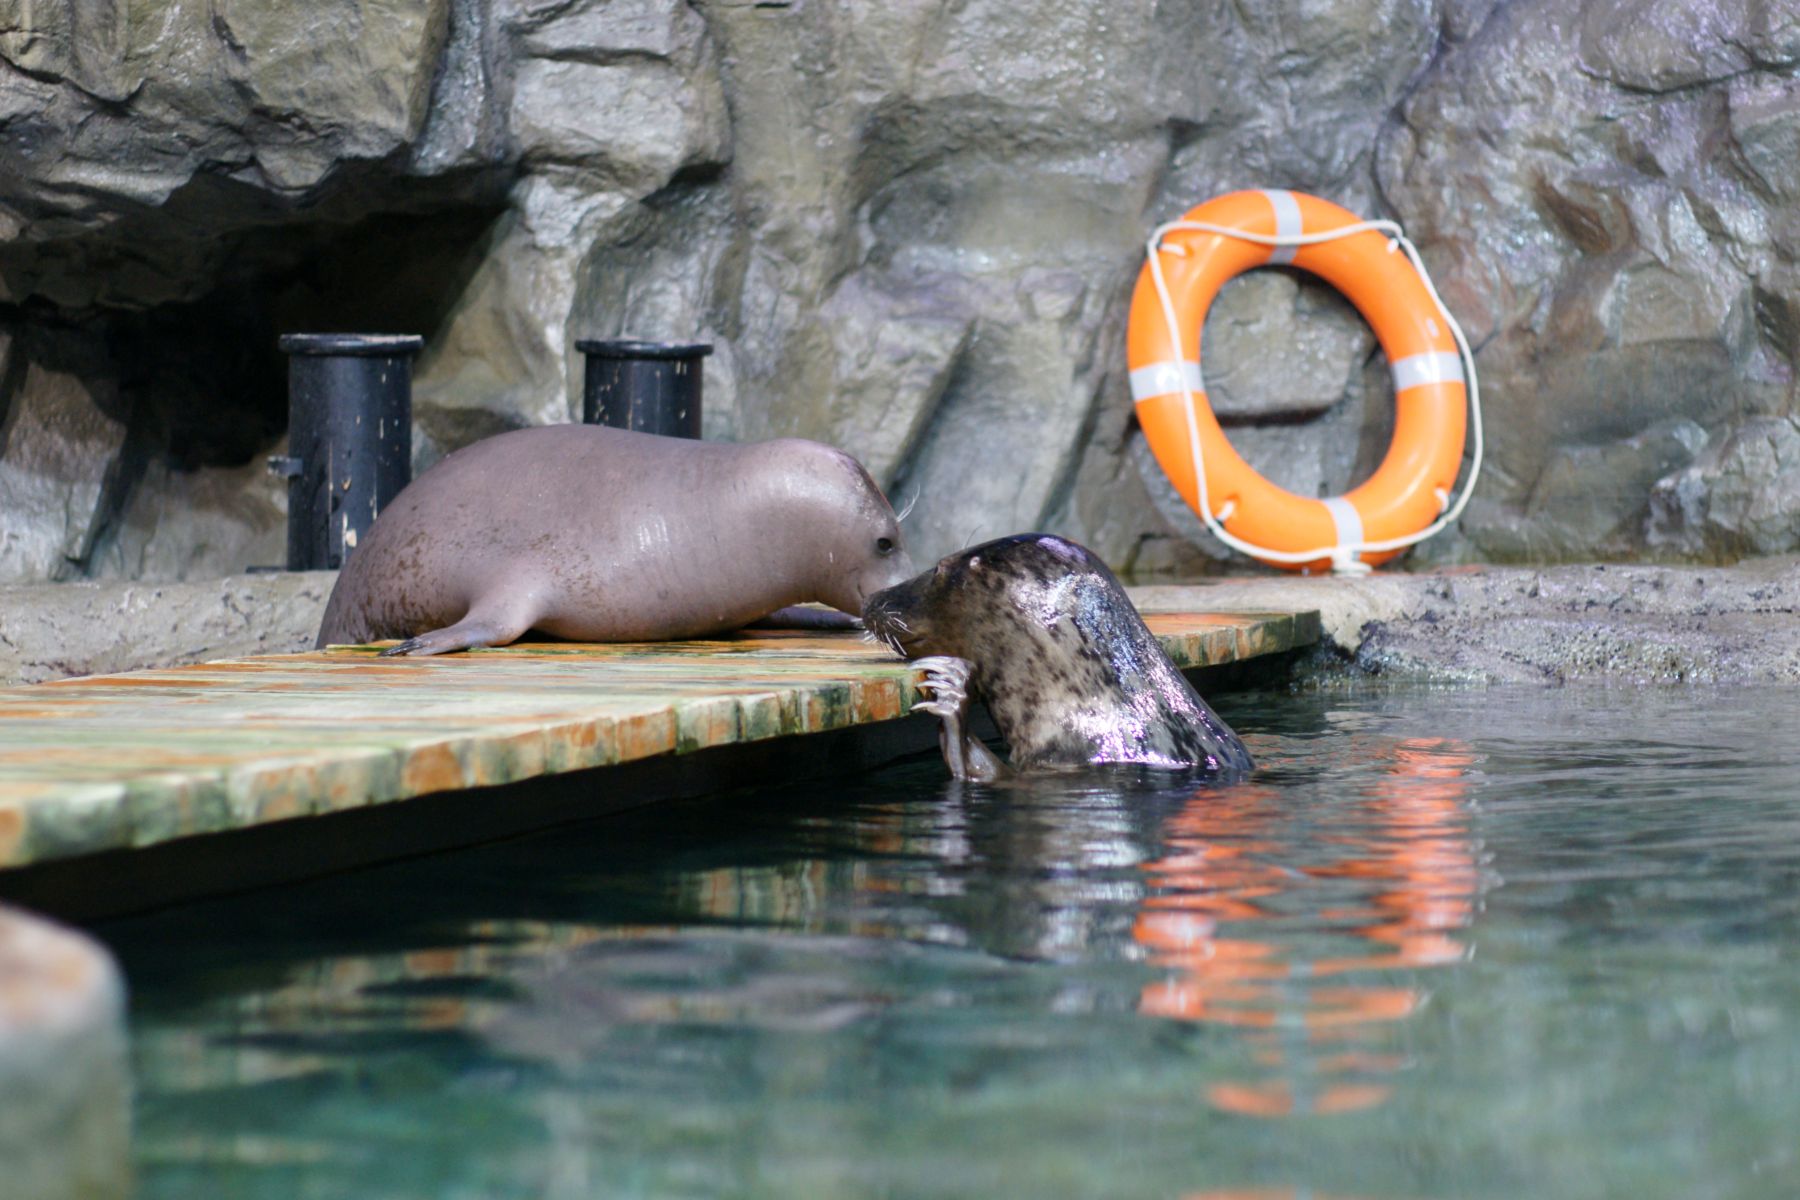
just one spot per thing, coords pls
(1066, 667)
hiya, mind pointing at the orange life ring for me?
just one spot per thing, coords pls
(1412, 485)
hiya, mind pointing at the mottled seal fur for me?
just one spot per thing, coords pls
(1038, 628)
(597, 534)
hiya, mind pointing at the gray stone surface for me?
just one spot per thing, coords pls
(1740, 496)
(138, 126)
(55, 448)
(909, 229)
(49, 631)
(1625, 625)
(65, 1086)
(1595, 184)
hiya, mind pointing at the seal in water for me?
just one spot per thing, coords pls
(1037, 628)
(598, 534)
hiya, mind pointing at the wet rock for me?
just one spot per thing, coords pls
(907, 341)
(624, 90)
(200, 525)
(502, 357)
(139, 135)
(609, 103)
(1619, 625)
(56, 446)
(1741, 496)
(65, 1087)
(911, 230)
(1593, 500)
(49, 631)
(166, 171)
(1655, 46)
(84, 493)
(1627, 649)
(1567, 168)
(1271, 349)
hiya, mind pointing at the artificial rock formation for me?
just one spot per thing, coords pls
(910, 229)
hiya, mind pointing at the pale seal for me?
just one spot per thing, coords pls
(1037, 628)
(596, 534)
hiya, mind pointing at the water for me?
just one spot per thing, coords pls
(1451, 944)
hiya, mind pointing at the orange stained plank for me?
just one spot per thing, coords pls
(12, 827)
(116, 761)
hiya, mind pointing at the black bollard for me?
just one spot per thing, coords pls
(652, 387)
(349, 438)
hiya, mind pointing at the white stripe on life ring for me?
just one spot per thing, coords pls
(1347, 520)
(1165, 378)
(1441, 366)
(1287, 224)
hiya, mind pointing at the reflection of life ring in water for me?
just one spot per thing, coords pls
(1228, 865)
(1188, 262)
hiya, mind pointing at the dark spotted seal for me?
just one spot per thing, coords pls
(1037, 628)
(597, 534)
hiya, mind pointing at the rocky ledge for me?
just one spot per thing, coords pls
(55, 630)
(1612, 623)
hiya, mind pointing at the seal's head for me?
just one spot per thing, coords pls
(1056, 650)
(837, 523)
(997, 594)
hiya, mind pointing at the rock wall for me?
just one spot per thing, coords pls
(910, 229)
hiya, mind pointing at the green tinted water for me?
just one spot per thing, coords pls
(1457, 944)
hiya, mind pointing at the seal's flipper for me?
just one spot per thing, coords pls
(484, 626)
(947, 679)
(969, 759)
(805, 616)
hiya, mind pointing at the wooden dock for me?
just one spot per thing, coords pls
(96, 772)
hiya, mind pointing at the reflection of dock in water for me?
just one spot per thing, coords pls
(1275, 932)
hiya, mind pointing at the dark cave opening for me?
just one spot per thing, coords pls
(201, 382)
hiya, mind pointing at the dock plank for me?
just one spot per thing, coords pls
(116, 762)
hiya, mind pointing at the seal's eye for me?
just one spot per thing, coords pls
(884, 546)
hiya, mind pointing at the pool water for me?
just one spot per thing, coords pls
(1444, 944)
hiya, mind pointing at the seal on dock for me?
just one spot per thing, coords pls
(1038, 628)
(597, 534)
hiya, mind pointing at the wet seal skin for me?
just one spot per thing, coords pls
(597, 534)
(1037, 628)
